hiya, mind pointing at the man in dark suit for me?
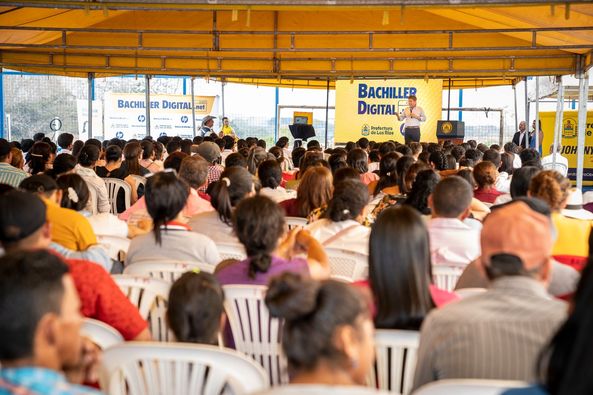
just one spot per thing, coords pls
(521, 138)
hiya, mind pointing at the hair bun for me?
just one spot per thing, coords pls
(291, 297)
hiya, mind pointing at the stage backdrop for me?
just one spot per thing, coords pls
(569, 141)
(368, 108)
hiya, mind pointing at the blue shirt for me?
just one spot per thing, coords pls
(533, 390)
(38, 381)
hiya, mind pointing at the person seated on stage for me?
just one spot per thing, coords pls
(511, 321)
(315, 191)
(358, 159)
(195, 310)
(341, 224)
(23, 227)
(171, 239)
(259, 224)
(452, 242)
(41, 346)
(235, 184)
(486, 177)
(327, 334)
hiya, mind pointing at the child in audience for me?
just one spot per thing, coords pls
(328, 332)
(196, 310)
(259, 224)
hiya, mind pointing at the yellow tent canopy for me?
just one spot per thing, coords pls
(301, 43)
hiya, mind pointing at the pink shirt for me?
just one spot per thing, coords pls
(367, 178)
(195, 205)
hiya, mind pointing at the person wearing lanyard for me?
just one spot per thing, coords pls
(412, 116)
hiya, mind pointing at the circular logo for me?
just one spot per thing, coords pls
(366, 130)
(141, 118)
(55, 124)
(184, 119)
(446, 127)
(119, 135)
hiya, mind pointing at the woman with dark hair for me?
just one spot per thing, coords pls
(39, 158)
(63, 164)
(269, 173)
(561, 365)
(309, 159)
(327, 334)
(359, 160)
(337, 161)
(423, 186)
(195, 310)
(388, 179)
(401, 169)
(113, 169)
(77, 147)
(149, 156)
(341, 225)
(172, 238)
(256, 156)
(259, 224)
(400, 270)
(315, 191)
(131, 164)
(284, 162)
(235, 184)
(438, 160)
(486, 175)
(87, 159)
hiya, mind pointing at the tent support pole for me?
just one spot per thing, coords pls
(559, 115)
(527, 112)
(582, 122)
(516, 113)
(537, 142)
(449, 101)
(326, 112)
(91, 77)
(222, 87)
(193, 107)
(277, 115)
(147, 100)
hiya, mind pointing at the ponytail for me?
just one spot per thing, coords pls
(259, 261)
(221, 200)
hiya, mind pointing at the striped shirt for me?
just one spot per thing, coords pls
(495, 335)
(11, 175)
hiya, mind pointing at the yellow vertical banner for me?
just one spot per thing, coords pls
(369, 108)
(569, 141)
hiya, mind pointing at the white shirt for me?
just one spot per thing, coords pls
(98, 184)
(355, 239)
(373, 166)
(278, 195)
(209, 224)
(452, 242)
(502, 199)
(561, 163)
(516, 162)
(503, 183)
(106, 224)
(224, 154)
(413, 122)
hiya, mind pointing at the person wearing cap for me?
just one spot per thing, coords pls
(497, 334)
(69, 228)
(9, 174)
(207, 126)
(211, 152)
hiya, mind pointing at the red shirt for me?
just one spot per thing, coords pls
(487, 195)
(291, 208)
(102, 299)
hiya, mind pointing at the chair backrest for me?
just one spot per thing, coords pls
(396, 354)
(165, 270)
(468, 387)
(100, 333)
(151, 296)
(139, 180)
(114, 185)
(348, 264)
(231, 251)
(143, 368)
(295, 222)
(559, 167)
(114, 245)
(256, 333)
(445, 277)
(469, 292)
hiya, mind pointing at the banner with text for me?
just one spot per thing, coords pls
(125, 114)
(569, 141)
(369, 108)
(82, 107)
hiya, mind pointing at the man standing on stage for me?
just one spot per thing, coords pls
(412, 117)
(521, 137)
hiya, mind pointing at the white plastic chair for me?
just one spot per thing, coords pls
(468, 387)
(139, 180)
(256, 333)
(115, 245)
(165, 270)
(469, 292)
(231, 251)
(143, 368)
(151, 296)
(295, 222)
(396, 354)
(445, 277)
(100, 333)
(348, 264)
(113, 187)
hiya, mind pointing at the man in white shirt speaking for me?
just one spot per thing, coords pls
(412, 117)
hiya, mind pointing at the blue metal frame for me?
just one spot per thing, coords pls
(460, 116)
(2, 104)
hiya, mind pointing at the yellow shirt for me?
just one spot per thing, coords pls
(226, 130)
(573, 236)
(69, 228)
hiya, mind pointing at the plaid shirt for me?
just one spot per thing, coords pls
(214, 172)
(11, 175)
(38, 381)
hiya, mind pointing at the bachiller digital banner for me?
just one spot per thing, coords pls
(569, 141)
(369, 108)
(125, 114)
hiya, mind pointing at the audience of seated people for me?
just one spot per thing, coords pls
(520, 232)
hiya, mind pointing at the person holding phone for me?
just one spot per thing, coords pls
(412, 116)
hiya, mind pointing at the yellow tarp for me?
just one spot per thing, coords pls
(300, 46)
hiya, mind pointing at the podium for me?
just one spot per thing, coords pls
(301, 131)
(450, 130)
